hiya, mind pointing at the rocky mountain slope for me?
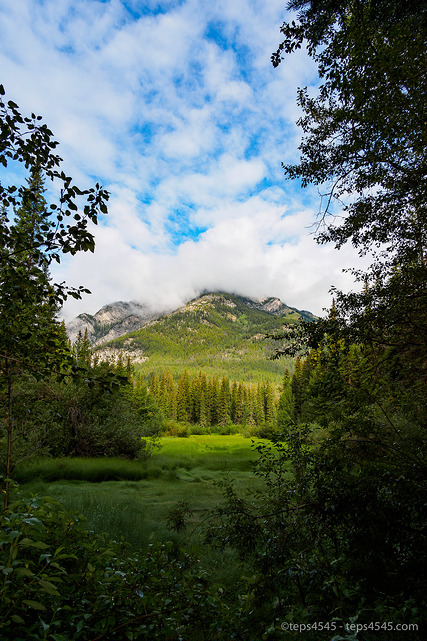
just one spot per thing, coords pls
(112, 321)
(120, 318)
(217, 332)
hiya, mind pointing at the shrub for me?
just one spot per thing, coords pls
(75, 419)
(174, 428)
(64, 583)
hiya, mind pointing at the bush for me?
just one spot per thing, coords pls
(174, 428)
(225, 430)
(267, 431)
(75, 419)
(64, 583)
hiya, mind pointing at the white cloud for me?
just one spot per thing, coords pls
(176, 109)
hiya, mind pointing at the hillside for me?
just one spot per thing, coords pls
(218, 333)
(111, 321)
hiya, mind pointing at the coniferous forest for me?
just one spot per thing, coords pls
(316, 528)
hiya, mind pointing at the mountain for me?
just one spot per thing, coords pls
(217, 332)
(121, 318)
(111, 321)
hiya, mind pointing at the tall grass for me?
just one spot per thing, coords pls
(204, 452)
(132, 500)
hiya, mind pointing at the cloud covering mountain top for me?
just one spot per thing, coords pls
(175, 108)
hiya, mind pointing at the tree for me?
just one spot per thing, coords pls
(286, 408)
(81, 350)
(224, 402)
(33, 234)
(364, 146)
(183, 398)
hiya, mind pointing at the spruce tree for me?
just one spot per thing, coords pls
(154, 387)
(224, 402)
(82, 350)
(269, 404)
(183, 398)
(32, 235)
(213, 398)
(286, 408)
(167, 393)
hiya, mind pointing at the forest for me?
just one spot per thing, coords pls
(315, 528)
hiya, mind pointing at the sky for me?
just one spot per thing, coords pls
(176, 109)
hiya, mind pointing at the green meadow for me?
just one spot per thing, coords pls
(132, 499)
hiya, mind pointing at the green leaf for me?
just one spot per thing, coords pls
(24, 572)
(34, 604)
(40, 545)
(49, 587)
(17, 619)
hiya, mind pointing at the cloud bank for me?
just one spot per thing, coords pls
(175, 108)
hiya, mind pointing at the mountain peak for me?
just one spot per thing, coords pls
(120, 318)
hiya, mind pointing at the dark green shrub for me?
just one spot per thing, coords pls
(76, 419)
(63, 583)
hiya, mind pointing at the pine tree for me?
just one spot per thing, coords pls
(81, 349)
(30, 216)
(257, 405)
(286, 409)
(213, 399)
(183, 398)
(195, 394)
(242, 404)
(234, 402)
(296, 386)
(154, 387)
(224, 402)
(269, 404)
(32, 235)
(167, 394)
(204, 419)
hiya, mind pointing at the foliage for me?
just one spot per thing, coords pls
(63, 583)
(340, 539)
(364, 144)
(110, 491)
(212, 402)
(364, 132)
(344, 537)
(84, 416)
(32, 235)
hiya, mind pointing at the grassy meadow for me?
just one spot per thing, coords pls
(132, 499)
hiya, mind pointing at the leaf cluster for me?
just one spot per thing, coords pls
(63, 583)
(365, 132)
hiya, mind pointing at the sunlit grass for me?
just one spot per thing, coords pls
(199, 453)
(132, 499)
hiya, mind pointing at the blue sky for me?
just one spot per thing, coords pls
(175, 108)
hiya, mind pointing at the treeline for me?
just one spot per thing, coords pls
(213, 401)
(370, 389)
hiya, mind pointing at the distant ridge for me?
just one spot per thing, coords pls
(111, 321)
(118, 319)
